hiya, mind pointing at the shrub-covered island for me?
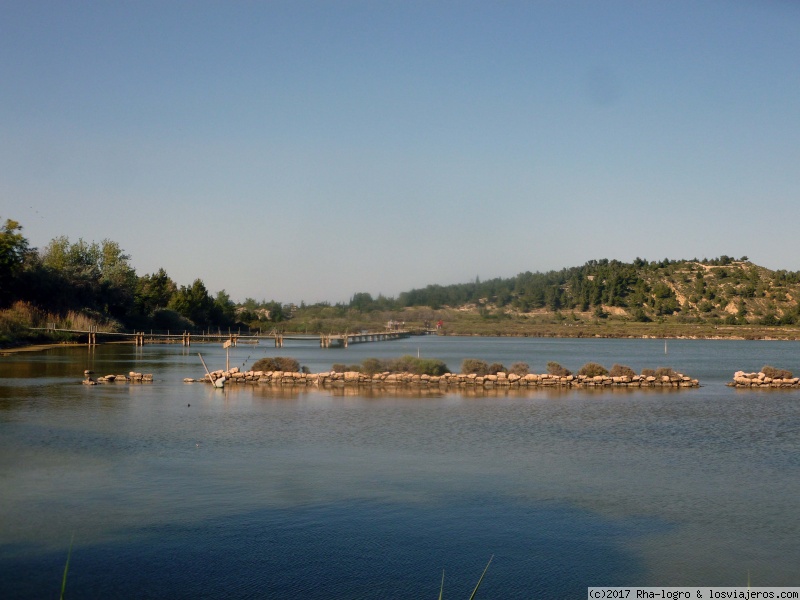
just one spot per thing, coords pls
(411, 371)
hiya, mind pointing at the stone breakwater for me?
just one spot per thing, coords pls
(760, 380)
(131, 377)
(447, 380)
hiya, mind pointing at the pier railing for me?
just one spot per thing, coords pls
(187, 338)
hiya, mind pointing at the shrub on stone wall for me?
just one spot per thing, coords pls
(520, 368)
(277, 363)
(776, 373)
(342, 368)
(592, 369)
(404, 364)
(474, 366)
(665, 371)
(622, 371)
(553, 368)
(371, 366)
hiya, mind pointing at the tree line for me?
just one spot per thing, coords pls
(596, 283)
(644, 289)
(98, 279)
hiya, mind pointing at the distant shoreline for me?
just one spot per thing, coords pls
(35, 347)
(788, 337)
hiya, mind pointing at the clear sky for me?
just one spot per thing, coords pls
(305, 151)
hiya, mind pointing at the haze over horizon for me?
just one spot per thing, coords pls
(306, 151)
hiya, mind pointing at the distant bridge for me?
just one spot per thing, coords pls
(326, 340)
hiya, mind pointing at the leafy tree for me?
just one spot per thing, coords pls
(276, 314)
(224, 311)
(362, 301)
(73, 271)
(117, 281)
(168, 319)
(194, 303)
(81, 275)
(13, 248)
(154, 292)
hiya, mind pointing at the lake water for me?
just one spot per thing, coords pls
(176, 490)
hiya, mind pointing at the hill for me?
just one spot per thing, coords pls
(720, 291)
(702, 296)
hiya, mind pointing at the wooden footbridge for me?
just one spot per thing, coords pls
(140, 338)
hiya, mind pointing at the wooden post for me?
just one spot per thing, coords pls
(227, 346)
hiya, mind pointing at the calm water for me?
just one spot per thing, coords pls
(176, 490)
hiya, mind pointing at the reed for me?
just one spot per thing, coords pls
(475, 591)
(17, 320)
(66, 568)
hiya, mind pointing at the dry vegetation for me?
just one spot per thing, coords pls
(17, 320)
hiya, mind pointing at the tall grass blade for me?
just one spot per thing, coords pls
(66, 568)
(441, 589)
(475, 591)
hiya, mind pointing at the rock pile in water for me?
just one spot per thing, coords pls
(761, 380)
(676, 380)
(132, 377)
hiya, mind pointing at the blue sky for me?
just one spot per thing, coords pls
(305, 151)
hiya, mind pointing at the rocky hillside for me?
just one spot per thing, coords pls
(721, 290)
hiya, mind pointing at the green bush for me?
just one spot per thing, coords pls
(474, 366)
(430, 366)
(776, 373)
(621, 371)
(277, 363)
(166, 318)
(404, 364)
(592, 369)
(553, 368)
(417, 366)
(371, 366)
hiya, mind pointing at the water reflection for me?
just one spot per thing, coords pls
(411, 391)
(682, 487)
